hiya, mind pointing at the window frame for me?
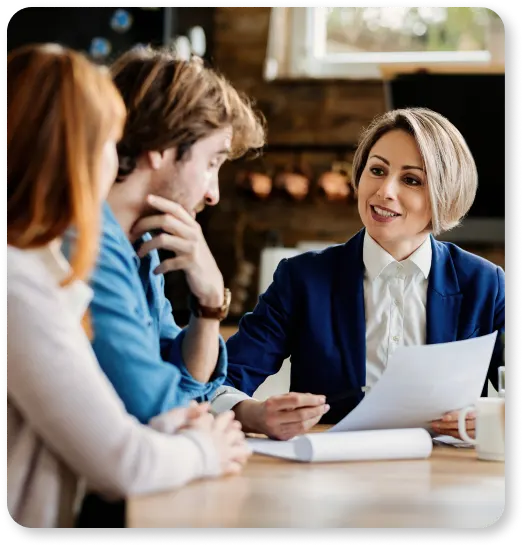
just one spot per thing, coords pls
(308, 58)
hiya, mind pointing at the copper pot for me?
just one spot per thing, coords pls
(294, 181)
(335, 184)
(256, 183)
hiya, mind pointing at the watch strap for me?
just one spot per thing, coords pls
(208, 312)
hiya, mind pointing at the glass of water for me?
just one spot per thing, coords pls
(502, 382)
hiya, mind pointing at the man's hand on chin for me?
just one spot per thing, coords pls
(179, 232)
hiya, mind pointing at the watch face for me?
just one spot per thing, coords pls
(227, 300)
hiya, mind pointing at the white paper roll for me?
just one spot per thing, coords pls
(385, 444)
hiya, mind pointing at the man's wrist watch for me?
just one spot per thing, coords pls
(207, 312)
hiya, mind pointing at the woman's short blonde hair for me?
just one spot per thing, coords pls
(450, 168)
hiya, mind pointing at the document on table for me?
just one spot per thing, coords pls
(421, 383)
(391, 444)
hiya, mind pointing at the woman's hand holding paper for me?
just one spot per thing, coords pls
(282, 417)
(448, 424)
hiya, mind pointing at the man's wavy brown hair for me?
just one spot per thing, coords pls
(174, 103)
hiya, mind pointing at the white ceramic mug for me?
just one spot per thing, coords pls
(489, 430)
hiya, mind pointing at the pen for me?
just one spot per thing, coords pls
(346, 394)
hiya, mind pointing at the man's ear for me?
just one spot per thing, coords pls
(154, 159)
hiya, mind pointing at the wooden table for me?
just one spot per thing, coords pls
(450, 489)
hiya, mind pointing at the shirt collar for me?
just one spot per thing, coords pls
(112, 226)
(422, 257)
(376, 259)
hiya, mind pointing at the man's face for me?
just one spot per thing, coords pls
(192, 181)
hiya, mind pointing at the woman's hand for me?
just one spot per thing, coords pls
(282, 417)
(228, 439)
(448, 424)
(224, 431)
(179, 418)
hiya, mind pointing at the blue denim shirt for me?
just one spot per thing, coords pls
(136, 340)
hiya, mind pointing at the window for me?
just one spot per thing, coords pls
(358, 42)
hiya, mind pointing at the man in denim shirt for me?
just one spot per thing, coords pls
(184, 121)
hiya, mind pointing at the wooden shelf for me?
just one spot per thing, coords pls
(309, 147)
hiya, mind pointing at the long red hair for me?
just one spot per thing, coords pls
(61, 109)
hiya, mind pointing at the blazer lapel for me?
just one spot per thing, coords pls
(349, 316)
(444, 298)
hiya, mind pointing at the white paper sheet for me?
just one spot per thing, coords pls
(448, 440)
(390, 444)
(421, 383)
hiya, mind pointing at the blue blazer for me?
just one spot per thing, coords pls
(313, 312)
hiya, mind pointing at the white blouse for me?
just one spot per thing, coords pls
(394, 302)
(65, 421)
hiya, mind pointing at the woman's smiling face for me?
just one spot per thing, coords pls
(393, 197)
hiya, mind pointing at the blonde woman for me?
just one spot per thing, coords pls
(65, 422)
(341, 313)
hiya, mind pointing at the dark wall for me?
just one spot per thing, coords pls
(76, 27)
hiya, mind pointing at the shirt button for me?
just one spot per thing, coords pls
(399, 268)
(397, 303)
(396, 338)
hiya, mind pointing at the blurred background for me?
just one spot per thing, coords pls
(319, 75)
